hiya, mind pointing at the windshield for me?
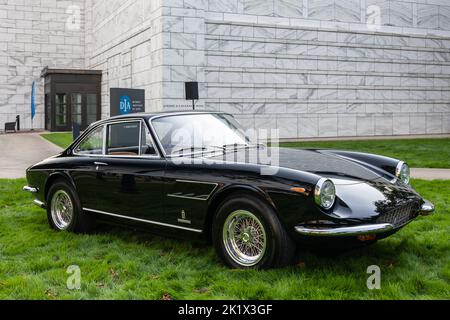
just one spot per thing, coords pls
(192, 133)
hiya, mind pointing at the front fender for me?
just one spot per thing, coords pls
(58, 175)
(380, 164)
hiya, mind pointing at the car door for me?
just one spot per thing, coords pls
(132, 173)
(83, 166)
(128, 179)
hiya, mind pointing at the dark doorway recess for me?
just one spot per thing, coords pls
(71, 96)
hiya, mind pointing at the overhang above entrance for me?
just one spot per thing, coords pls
(48, 71)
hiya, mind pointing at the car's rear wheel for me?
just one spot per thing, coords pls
(248, 234)
(64, 211)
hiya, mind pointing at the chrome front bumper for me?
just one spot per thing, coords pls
(30, 189)
(370, 229)
(427, 208)
(34, 190)
(345, 231)
(40, 204)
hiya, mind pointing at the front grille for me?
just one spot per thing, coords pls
(400, 215)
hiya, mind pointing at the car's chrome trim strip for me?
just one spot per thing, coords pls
(197, 182)
(39, 204)
(30, 189)
(142, 220)
(345, 231)
(198, 197)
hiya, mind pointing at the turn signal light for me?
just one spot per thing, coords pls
(367, 237)
(299, 190)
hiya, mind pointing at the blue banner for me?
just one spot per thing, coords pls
(33, 93)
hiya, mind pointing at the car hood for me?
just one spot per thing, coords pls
(312, 161)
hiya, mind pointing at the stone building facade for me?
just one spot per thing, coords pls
(312, 68)
(35, 34)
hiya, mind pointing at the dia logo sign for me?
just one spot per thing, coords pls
(125, 105)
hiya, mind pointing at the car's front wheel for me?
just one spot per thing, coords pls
(248, 234)
(64, 210)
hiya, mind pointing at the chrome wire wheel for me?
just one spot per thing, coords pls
(244, 238)
(61, 209)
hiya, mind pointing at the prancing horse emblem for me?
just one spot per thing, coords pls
(183, 218)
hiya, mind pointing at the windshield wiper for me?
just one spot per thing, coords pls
(192, 149)
(224, 148)
(236, 146)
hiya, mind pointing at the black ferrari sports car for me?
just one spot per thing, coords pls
(200, 174)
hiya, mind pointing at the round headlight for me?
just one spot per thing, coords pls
(325, 193)
(403, 172)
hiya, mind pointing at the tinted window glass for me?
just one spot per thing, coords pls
(123, 139)
(93, 143)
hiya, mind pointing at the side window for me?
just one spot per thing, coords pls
(148, 146)
(92, 144)
(123, 139)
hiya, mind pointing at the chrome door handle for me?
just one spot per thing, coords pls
(100, 164)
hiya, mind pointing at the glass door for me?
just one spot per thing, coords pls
(77, 108)
(61, 112)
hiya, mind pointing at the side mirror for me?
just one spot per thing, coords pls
(148, 150)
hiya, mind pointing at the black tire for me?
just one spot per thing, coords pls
(279, 248)
(80, 221)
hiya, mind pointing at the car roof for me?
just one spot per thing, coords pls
(150, 115)
(145, 115)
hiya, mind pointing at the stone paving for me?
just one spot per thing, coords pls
(20, 151)
(430, 174)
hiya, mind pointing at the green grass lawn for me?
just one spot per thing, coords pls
(122, 264)
(62, 140)
(418, 153)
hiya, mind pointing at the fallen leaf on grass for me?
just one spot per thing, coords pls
(201, 290)
(50, 293)
(166, 297)
(391, 264)
(113, 273)
(154, 277)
